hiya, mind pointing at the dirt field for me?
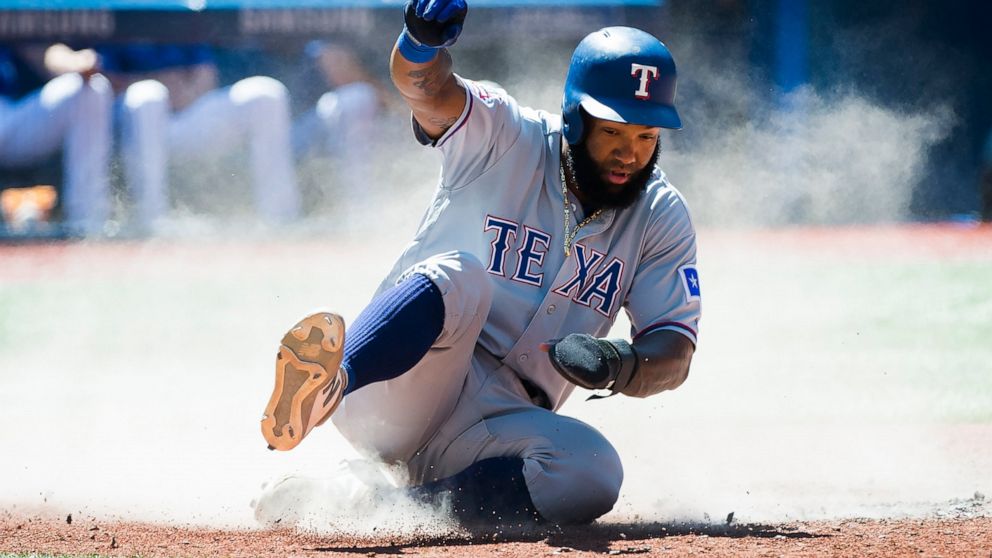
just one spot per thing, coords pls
(960, 536)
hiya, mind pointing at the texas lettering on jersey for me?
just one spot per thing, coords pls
(595, 283)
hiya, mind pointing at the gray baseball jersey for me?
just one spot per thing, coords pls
(499, 198)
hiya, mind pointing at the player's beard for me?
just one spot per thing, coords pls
(598, 193)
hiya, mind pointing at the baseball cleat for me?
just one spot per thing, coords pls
(309, 380)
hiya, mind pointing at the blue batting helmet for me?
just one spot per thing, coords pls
(620, 74)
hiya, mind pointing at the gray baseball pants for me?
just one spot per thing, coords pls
(460, 405)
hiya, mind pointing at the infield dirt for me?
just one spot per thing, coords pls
(917, 538)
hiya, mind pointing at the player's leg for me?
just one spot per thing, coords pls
(527, 461)
(254, 110)
(342, 122)
(86, 204)
(387, 339)
(395, 418)
(352, 125)
(72, 113)
(144, 129)
(490, 491)
(404, 361)
(264, 103)
(341, 126)
(307, 136)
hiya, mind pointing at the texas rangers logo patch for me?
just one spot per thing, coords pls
(690, 281)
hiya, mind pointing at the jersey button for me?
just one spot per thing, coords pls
(522, 358)
(551, 309)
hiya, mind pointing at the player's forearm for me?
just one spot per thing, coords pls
(420, 66)
(430, 89)
(663, 363)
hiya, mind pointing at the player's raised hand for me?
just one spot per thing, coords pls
(435, 23)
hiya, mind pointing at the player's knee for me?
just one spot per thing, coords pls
(327, 106)
(472, 279)
(577, 483)
(469, 266)
(461, 277)
(465, 289)
(96, 97)
(146, 93)
(358, 99)
(261, 92)
(99, 87)
(62, 89)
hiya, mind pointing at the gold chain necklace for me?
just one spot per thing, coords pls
(569, 232)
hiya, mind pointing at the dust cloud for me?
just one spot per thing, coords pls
(821, 160)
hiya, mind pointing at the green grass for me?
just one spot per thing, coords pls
(898, 339)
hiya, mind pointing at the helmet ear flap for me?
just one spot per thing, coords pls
(578, 126)
(586, 119)
(572, 121)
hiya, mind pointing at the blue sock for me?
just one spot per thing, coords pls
(394, 332)
(488, 491)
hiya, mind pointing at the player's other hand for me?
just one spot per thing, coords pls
(593, 363)
(435, 23)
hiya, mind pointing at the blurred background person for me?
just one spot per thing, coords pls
(342, 125)
(174, 113)
(51, 100)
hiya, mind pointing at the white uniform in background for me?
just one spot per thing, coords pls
(342, 125)
(253, 112)
(74, 115)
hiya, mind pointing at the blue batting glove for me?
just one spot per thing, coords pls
(434, 23)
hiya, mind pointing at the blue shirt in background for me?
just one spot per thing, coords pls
(141, 58)
(17, 79)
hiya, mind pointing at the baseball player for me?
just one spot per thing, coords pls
(541, 229)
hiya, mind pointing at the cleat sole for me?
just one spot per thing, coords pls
(308, 384)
